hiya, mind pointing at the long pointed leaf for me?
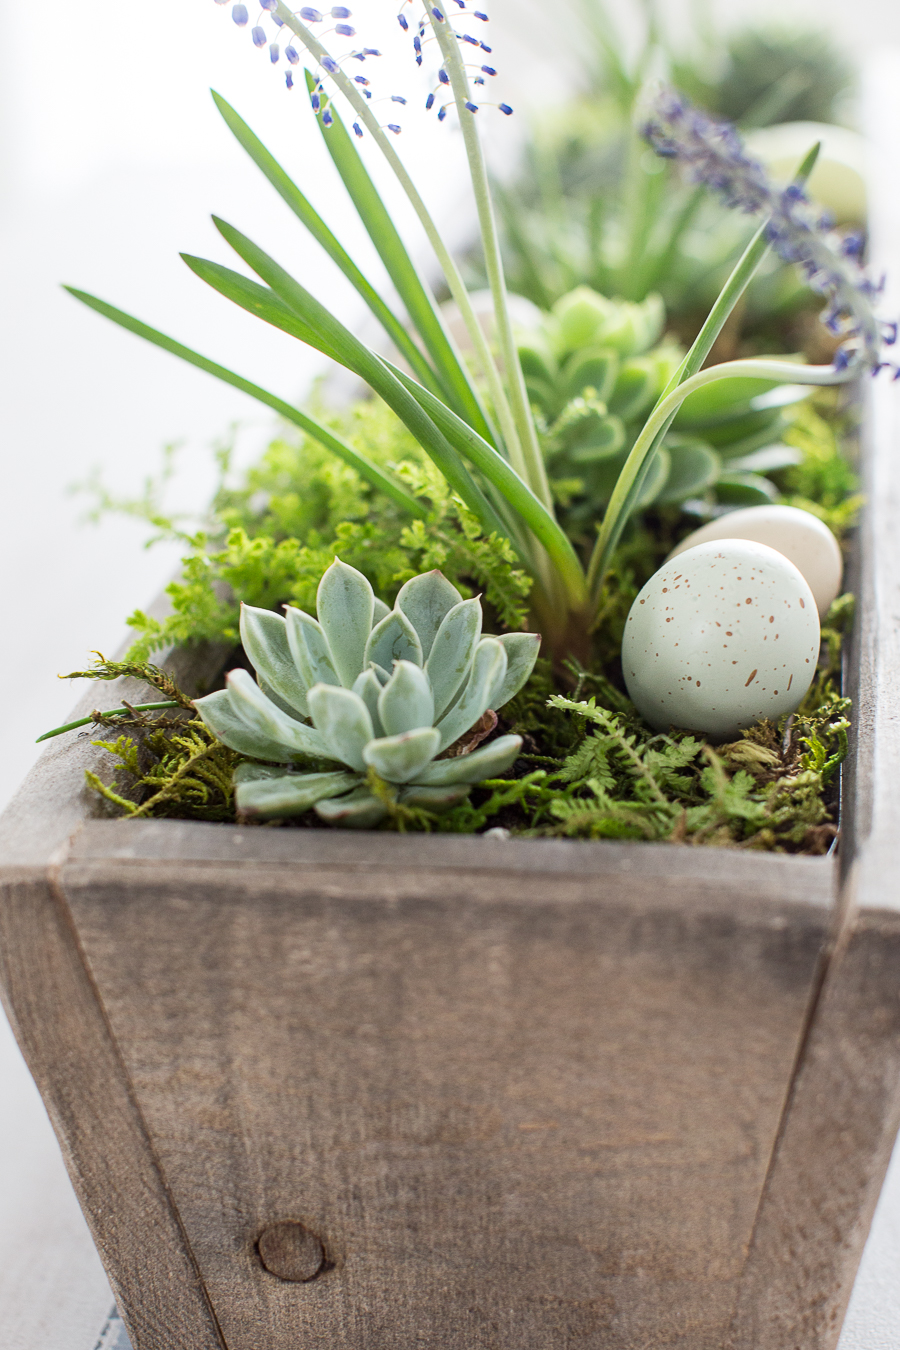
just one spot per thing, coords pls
(512, 488)
(306, 212)
(258, 300)
(265, 304)
(628, 487)
(363, 466)
(400, 268)
(352, 353)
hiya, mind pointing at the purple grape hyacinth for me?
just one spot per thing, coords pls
(330, 65)
(712, 152)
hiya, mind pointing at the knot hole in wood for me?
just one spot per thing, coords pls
(291, 1251)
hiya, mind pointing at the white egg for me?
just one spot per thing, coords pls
(719, 638)
(800, 536)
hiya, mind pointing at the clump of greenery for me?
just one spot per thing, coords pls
(823, 482)
(169, 764)
(268, 540)
(182, 773)
(605, 775)
(589, 767)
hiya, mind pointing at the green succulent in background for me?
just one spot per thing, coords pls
(381, 693)
(593, 370)
(590, 206)
(772, 75)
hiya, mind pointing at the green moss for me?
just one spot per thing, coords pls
(268, 541)
(589, 768)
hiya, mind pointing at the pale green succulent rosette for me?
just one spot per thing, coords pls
(367, 688)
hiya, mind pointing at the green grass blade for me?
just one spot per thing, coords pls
(401, 269)
(363, 466)
(627, 490)
(353, 354)
(306, 212)
(256, 299)
(110, 712)
(513, 489)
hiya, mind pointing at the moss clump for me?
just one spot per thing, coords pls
(268, 540)
(590, 768)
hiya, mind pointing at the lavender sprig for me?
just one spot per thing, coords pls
(712, 152)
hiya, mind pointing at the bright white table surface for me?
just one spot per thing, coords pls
(110, 159)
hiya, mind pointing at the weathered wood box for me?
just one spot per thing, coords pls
(505, 1094)
(365, 1092)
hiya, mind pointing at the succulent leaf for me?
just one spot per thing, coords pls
(452, 652)
(265, 640)
(434, 798)
(249, 772)
(309, 648)
(343, 722)
(426, 600)
(406, 701)
(261, 715)
(393, 639)
(345, 605)
(488, 671)
(399, 759)
(381, 611)
(495, 757)
(224, 722)
(368, 686)
(290, 794)
(359, 810)
(281, 702)
(521, 653)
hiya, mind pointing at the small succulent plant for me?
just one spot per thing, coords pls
(595, 367)
(367, 689)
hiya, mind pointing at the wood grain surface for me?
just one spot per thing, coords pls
(525, 1095)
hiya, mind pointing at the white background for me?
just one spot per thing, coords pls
(111, 158)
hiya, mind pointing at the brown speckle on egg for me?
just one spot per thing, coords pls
(750, 678)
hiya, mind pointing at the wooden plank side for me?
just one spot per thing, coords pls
(66, 1041)
(521, 1108)
(829, 1166)
(831, 1158)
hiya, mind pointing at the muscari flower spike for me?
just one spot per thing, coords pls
(477, 72)
(330, 66)
(712, 152)
(367, 689)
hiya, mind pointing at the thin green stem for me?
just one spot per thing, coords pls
(630, 479)
(659, 421)
(514, 490)
(112, 712)
(532, 469)
(370, 121)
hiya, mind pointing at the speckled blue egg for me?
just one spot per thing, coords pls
(722, 636)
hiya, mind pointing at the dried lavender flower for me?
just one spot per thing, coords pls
(712, 152)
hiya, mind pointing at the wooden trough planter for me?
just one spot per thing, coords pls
(366, 1092)
(369, 1092)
